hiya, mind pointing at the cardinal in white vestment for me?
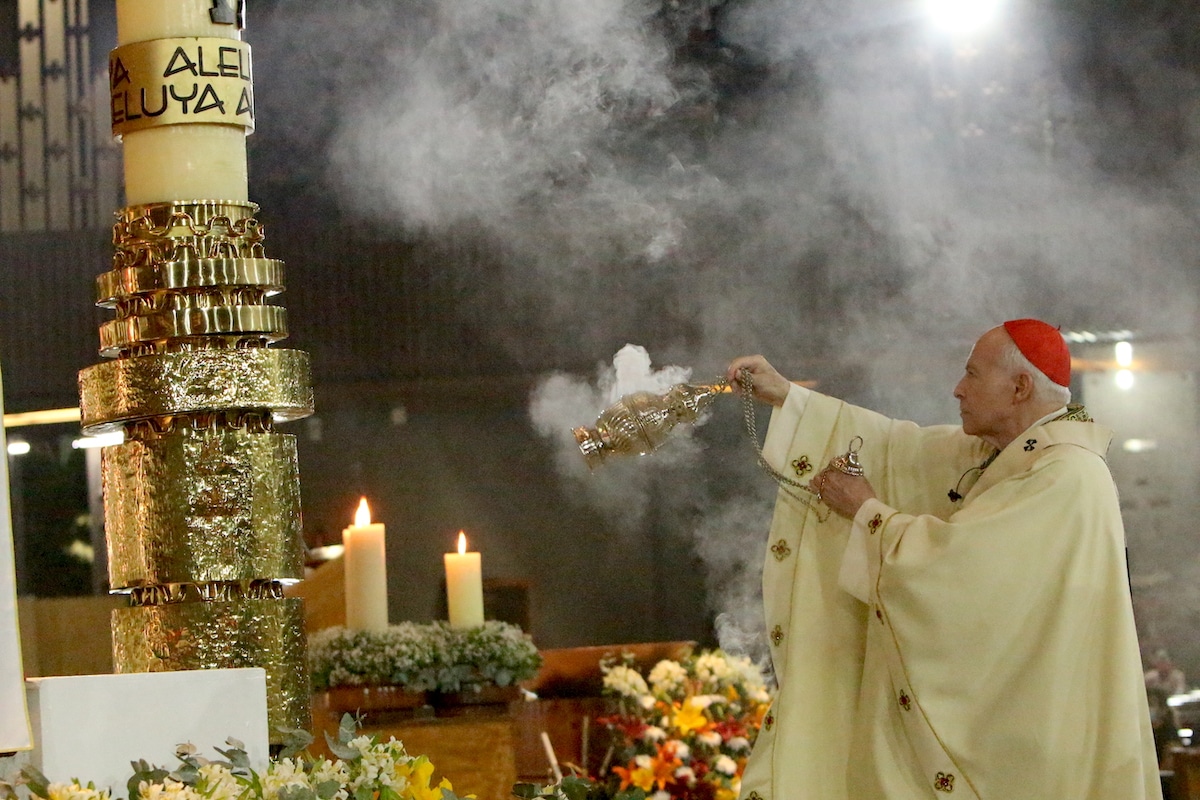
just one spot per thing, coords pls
(956, 622)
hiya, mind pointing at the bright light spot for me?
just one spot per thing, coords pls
(82, 551)
(1124, 353)
(103, 440)
(1124, 380)
(18, 448)
(961, 16)
(1139, 445)
(327, 553)
(1185, 733)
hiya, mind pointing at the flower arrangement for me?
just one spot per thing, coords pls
(683, 731)
(364, 769)
(423, 657)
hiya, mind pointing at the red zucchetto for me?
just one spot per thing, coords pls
(1044, 346)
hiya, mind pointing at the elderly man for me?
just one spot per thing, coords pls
(960, 626)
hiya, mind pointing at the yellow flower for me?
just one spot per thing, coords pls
(641, 777)
(689, 717)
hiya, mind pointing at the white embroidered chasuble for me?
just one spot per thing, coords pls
(997, 657)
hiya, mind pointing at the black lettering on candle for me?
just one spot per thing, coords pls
(229, 68)
(117, 74)
(118, 113)
(245, 104)
(129, 117)
(200, 64)
(180, 62)
(161, 108)
(186, 100)
(208, 100)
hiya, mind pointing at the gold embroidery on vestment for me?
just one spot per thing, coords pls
(781, 550)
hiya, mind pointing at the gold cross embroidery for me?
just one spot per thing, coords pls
(944, 782)
(802, 466)
(777, 635)
(875, 522)
(781, 550)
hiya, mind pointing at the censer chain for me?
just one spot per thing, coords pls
(810, 498)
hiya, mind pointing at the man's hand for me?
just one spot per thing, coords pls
(769, 386)
(844, 493)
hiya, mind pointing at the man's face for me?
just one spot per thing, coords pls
(986, 392)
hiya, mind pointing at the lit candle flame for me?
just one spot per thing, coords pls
(462, 543)
(362, 517)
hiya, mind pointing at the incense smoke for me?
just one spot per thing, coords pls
(837, 185)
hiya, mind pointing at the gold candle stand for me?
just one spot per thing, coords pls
(202, 500)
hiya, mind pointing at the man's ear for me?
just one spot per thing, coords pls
(1022, 387)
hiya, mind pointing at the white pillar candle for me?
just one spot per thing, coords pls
(180, 162)
(365, 562)
(464, 586)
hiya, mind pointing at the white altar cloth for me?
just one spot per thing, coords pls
(14, 723)
(91, 726)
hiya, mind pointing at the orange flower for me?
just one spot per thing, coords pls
(641, 777)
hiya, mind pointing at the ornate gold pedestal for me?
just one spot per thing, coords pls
(202, 500)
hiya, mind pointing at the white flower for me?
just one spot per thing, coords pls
(681, 750)
(644, 761)
(667, 677)
(625, 681)
(73, 791)
(701, 700)
(725, 765)
(282, 774)
(710, 738)
(646, 701)
(218, 783)
(714, 669)
(738, 743)
(686, 775)
(653, 733)
(661, 794)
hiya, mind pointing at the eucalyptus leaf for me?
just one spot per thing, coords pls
(293, 792)
(342, 751)
(347, 728)
(295, 740)
(574, 788)
(38, 783)
(327, 789)
(144, 772)
(526, 791)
